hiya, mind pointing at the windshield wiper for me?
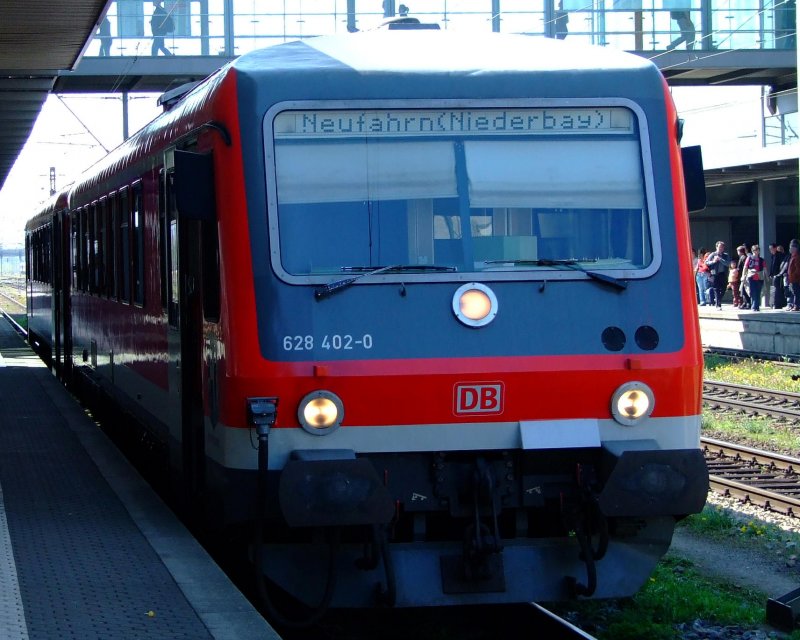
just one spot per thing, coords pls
(570, 263)
(542, 262)
(333, 287)
(405, 268)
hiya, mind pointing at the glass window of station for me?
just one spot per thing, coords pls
(234, 27)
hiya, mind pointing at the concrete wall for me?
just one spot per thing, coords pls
(766, 331)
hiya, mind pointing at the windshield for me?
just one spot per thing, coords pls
(475, 190)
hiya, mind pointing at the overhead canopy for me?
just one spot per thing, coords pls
(38, 38)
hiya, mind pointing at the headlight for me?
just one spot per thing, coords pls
(631, 403)
(475, 304)
(320, 412)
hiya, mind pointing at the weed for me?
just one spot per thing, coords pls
(676, 594)
(756, 373)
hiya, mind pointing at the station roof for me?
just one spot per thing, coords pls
(38, 39)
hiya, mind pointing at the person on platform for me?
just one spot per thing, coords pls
(780, 278)
(561, 21)
(161, 24)
(744, 285)
(772, 271)
(688, 32)
(701, 276)
(793, 274)
(718, 262)
(104, 35)
(754, 268)
(735, 279)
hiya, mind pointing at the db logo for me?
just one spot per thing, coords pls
(478, 398)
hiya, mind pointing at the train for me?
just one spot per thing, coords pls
(415, 306)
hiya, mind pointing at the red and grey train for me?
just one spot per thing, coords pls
(417, 302)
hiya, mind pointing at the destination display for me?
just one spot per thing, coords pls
(463, 122)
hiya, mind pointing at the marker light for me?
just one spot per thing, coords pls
(631, 403)
(475, 304)
(320, 412)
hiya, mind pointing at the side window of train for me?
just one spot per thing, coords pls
(108, 214)
(101, 256)
(162, 237)
(124, 256)
(173, 293)
(137, 220)
(93, 249)
(48, 254)
(84, 250)
(74, 240)
(30, 264)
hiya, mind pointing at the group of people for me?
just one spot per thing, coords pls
(748, 275)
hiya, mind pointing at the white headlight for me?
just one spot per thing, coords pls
(320, 412)
(632, 402)
(475, 304)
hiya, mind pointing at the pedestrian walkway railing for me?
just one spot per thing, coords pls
(233, 27)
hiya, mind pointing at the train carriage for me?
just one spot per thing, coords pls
(424, 294)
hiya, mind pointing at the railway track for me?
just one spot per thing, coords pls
(552, 626)
(759, 477)
(769, 480)
(752, 401)
(10, 306)
(7, 299)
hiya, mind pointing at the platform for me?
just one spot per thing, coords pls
(87, 550)
(767, 330)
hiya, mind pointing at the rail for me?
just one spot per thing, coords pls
(17, 327)
(752, 401)
(766, 479)
(556, 628)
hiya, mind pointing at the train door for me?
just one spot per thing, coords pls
(185, 339)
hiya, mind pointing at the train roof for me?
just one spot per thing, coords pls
(55, 202)
(432, 51)
(438, 65)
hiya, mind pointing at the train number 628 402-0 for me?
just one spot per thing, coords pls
(333, 341)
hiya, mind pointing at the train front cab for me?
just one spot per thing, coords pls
(619, 501)
(319, 491)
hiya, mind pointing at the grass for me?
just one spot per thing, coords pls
(676, 593)
(757, 373)
(674, 597)
(758, 432)
(717, 523)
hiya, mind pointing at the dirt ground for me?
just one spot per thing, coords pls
(743, 564)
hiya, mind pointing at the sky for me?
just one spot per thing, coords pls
(74, 131)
